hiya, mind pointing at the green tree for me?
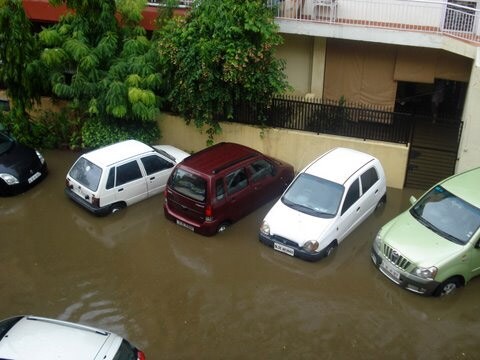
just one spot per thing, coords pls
(220, 53)
(107, 69)
(19, 72)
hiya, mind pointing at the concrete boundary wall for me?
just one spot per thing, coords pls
(296, 147)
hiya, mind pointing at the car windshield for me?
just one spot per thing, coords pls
(167, 155)
(7, 324)
(86, 173)
(5, 143)
(314, 196)
(189, 184)
(447, 215)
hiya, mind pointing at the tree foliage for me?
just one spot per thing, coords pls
(220, 53)
(108, 71)
(21, 75)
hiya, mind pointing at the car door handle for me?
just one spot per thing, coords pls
(358, 209)
(121, 189)
(152, 178)
(376, 191)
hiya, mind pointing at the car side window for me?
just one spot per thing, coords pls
(236, 181)
(111, 179)
(260, 169)
(353, 195)
(219, 189)
(369, 178)
(154, 163)
(128, 172)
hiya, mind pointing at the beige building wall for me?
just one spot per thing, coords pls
(297, 53)
(469, 149)
(295, 147)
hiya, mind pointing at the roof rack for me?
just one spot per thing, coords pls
(231, 163)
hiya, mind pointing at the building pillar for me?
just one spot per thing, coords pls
(469, 150)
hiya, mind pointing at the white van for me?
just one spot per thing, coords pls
(324, 204)
(108, 179)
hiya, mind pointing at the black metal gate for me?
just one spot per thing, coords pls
(433, 152)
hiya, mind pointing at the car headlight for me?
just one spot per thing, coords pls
(9, 179)
(377, 242)
(425, 273)
(310, 246)
(40, 156)
(265, 228)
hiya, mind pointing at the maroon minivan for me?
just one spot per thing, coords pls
(215, 187)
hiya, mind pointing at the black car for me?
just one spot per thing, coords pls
(21, 167)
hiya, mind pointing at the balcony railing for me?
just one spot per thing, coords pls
(182, 3)
(456, 18)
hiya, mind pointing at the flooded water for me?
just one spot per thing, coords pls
(178, 295)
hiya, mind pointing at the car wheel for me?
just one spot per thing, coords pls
(331, 248)
(448, 287)
(114, 208)
(381, 203)
(223, 226)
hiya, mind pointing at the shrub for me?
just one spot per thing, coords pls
(98, 132)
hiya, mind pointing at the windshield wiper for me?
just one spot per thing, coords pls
(432, 227)
(302, 208)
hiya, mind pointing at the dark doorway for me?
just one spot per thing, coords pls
(436, 111)
(442, 100)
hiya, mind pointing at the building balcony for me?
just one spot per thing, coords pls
(456, 19)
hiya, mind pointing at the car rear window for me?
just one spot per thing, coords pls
(86, 173)
(7, 324)
(126, 351)
(189, 184)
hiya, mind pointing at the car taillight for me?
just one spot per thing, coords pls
(140, 355)
(208, 213)
(95, 201)
(67, 184)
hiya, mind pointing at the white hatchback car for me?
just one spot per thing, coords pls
(110, 178)
(326, 201)
(38, 338)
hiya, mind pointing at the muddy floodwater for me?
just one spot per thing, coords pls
(178, 295)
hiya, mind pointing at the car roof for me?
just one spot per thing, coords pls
(41, 338)
(338, 164)
(111, 154)
(465, 185)
(219, 157)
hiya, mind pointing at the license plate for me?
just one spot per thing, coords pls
(284, 249)
(390, 269)
(181, 223)
(34, 177)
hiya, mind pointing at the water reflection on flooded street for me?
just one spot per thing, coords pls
(178, 295)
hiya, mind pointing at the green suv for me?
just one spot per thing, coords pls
(434, 247)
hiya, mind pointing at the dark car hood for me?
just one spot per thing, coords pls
(19, 160)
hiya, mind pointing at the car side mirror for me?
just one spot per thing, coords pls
(413, 199)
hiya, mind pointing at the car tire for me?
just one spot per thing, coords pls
(381, 203)
(448, 287)
(114, 208)
(222, 227)
(331, 248)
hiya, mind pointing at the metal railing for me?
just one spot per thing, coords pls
(328, 117)
(181, 3)
(456, 18)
